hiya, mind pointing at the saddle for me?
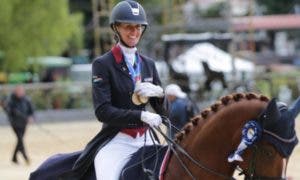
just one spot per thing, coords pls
(146, 164)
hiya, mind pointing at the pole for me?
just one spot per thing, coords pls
(232, 41)
(251, 30)
(96, 25)
(49, 133)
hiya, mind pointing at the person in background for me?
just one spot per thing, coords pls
(181, 108)
(20, 111)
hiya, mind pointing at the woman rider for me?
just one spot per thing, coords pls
(123, 81)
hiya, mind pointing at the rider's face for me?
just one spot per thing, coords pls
(130, 33)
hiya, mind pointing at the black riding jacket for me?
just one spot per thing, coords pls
(18, 110)
(112, 88)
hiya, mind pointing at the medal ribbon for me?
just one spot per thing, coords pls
(135, 72)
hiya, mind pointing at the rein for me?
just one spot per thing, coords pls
(148, 172)
(173, 144)
(248, 175)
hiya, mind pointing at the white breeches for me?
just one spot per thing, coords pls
(110, 160)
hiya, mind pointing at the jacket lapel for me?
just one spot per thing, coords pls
(142, 68)
(119, 61)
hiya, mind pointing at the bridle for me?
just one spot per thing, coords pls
(249, 175)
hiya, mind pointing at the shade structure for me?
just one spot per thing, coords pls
(190, 61)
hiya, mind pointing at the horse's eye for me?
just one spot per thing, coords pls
(268, 151)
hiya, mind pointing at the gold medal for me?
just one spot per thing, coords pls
(143, 99)
(135, 99)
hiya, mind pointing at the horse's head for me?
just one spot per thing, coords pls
(214, 137)
(268, 142)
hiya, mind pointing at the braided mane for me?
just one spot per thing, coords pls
(201, 119)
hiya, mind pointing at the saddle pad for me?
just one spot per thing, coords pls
(57, 165)
(145, 164)
(54, 166)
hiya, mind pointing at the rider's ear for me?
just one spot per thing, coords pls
(271, 114)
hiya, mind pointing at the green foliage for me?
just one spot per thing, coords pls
(143, 2)
(60, 97)
(36, 28)
(216, 10)
(277, 7)
(40, 99)
(270, 83)
(155, 3)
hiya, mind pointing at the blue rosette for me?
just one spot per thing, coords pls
(251, 132)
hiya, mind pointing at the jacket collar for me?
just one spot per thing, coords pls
(120, 63)
(118, 55)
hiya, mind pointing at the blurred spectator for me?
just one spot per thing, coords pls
(19, 111)
(182, 108)
(285, 94)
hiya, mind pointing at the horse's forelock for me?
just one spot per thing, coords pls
(206, 113)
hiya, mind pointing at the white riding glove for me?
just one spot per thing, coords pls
(151, 118)
(146, 89)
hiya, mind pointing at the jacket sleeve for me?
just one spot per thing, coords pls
(30, 111)
(104, 110)
(8, 107)
(160, 105)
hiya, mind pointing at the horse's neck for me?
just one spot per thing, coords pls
(212, 142)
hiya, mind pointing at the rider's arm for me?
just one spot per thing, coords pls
(104, 110)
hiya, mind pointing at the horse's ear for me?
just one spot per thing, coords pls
(271, 114)
(295, 108)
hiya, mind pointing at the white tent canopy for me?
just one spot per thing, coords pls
(190, 61)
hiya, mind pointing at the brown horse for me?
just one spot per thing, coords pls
(212, 136)
(244, 132)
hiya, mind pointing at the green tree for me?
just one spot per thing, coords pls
(277, 7)
(36, 28)
(215, 10)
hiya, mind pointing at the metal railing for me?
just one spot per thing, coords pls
(56, 95)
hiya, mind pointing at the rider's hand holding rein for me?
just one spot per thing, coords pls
(150, 118)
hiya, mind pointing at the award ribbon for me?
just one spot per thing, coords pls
(135, 73)
(250, 134)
